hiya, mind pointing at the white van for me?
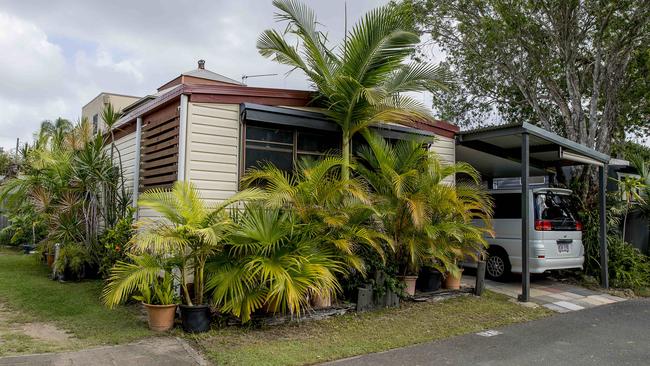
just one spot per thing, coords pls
(555, 233)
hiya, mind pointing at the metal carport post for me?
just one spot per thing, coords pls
(525, 219)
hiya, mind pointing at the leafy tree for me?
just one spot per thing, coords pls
(5, 162)
(362, 81)
(564, 65)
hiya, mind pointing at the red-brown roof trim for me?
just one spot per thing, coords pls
(236, 94)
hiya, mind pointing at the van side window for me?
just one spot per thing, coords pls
(507, 205)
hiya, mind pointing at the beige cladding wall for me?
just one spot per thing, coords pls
(212, 156)
(125, 150)
(96, 106)
(445, 147)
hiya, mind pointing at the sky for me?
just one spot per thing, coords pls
(55, 56)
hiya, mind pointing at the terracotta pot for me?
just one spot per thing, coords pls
(50, 260)
(319, 301)
(409, 281)
(453, 283)
(161, 317)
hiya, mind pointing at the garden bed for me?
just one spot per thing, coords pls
(299, 343)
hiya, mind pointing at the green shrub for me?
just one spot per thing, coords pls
(628, 267)
(113, 243)
(72, 261)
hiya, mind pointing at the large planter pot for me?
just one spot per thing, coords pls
(409, 281)
(429, 280)
(161, 317)
(319, 301)
(196, 318)
(453, 282)
(50, 260)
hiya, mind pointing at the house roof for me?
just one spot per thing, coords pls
(210, 75)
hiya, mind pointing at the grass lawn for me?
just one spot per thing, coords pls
(355, 334)
(30, 304)
(28, 296)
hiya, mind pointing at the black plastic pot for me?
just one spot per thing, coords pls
(195, 319)
(27, 248)
(429, 280)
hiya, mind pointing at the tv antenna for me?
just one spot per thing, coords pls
(246, 77)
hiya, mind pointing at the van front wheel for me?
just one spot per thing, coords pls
(497, 265)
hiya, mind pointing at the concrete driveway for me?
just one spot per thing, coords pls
(552, 294)
(613, 334)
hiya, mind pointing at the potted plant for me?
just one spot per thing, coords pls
(150, 280)
(159, 298)
(424, 215)
(454, 272)
(429, 279)
(191, 233)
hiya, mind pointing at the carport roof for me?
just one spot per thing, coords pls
(501, 148)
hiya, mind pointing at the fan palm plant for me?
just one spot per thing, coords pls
(336, 211)
(188, 230)
(271, 262)
(429, 220)
(362, 81)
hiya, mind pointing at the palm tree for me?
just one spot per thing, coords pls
(632, 189)
(188, 230)
(271, 262)
(643, 168)
(55, 131)
(429, 220)
(362, 82)
(336, 211)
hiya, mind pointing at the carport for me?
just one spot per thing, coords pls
(522, 149)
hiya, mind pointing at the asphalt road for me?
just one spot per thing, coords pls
(616, 334)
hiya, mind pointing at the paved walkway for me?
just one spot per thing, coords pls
(162, 351)
(552, 294)
(614, 334)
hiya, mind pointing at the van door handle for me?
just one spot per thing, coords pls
(565, 241)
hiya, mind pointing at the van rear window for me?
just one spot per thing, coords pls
(507, 205)
(555, 209)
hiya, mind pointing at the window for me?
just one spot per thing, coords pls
(95, 124)
(282, 145)
(507, 205)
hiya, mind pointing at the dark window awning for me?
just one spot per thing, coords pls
(496, 150)
(314, 120)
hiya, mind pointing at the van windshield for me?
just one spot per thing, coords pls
(555, 208)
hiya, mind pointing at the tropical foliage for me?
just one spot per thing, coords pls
(272, 262)
(336, 211)
(68, 191)
(429, 220)
(188, 230)
(361, 82)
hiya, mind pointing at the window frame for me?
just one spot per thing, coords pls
(295, 152)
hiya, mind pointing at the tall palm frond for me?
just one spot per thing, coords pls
(360, 82)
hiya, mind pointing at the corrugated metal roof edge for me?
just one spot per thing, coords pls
(521, 127)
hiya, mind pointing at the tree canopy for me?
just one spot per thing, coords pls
(574, 67)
